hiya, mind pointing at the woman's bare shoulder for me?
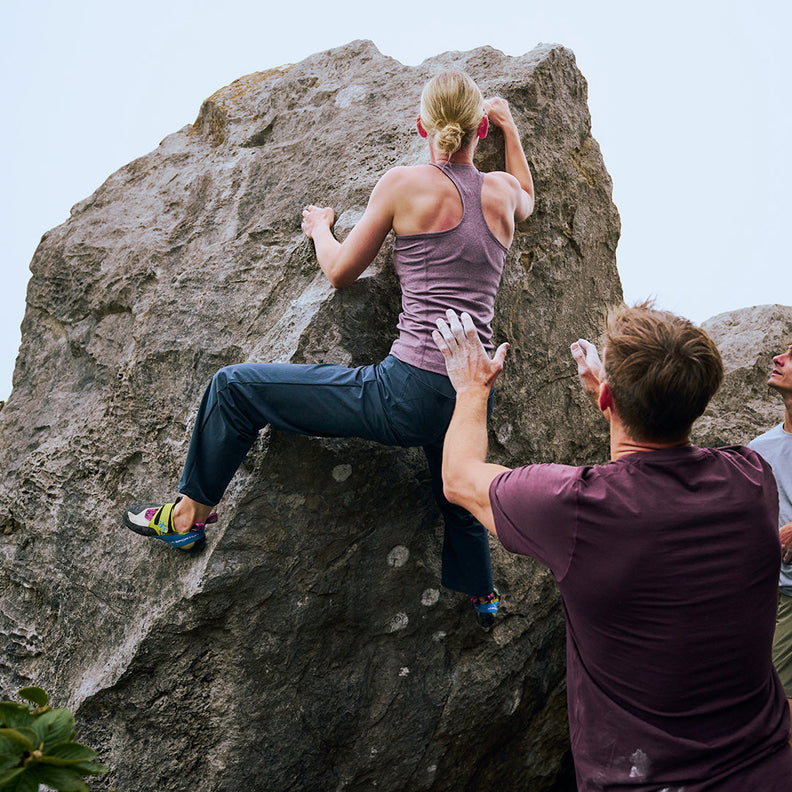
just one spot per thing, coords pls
(502, 184)
(501, 178)
(401, 176)
(406, 172)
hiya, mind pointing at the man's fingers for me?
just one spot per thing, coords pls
(441, 343)
(496, 365)
(579, 354)
(445, 332)
(454, 323)
(459, 331)
(592, 356)
(469, 328)
(467, 362)
(500, 354)
(582, 349)
(586, 357)
(463, 325)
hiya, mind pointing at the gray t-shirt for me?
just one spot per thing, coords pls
(775, 446)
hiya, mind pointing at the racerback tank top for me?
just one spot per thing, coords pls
(459, 268)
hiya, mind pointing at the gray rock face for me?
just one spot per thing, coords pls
(744, 407)
(310, 647)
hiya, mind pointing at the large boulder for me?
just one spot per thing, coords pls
(744, 407)
(310, 647)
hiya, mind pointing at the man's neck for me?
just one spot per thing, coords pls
(622, 444)
(786, 396)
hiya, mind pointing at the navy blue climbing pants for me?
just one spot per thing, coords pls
(392, 403)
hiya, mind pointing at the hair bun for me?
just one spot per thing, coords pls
(450, 137)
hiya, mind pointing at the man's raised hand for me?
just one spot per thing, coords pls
(467, 362)
(590, 369)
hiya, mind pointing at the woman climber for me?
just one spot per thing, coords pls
(453, 225)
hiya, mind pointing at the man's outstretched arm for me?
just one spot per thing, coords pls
(466, 473)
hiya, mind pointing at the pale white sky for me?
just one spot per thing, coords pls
(690, 103)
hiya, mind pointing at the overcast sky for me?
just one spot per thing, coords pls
(690, 103)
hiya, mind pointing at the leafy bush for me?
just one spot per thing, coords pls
(37, 747)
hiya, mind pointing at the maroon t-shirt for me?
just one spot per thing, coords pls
(667, 563)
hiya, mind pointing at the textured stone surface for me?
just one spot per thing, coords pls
(744, 407)
(310, 647)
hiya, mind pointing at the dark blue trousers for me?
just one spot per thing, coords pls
(393, 403)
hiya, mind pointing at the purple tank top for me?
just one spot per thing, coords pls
(459, 268)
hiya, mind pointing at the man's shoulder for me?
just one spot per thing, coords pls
(770, 437)
(549, 478)
(532, 507)
(741, 456)
(556, 469)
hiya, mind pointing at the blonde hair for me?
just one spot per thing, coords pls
(451, 109)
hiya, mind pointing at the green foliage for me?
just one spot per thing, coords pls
(37, 746)
(34, 694)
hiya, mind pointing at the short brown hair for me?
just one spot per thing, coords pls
(662, 371)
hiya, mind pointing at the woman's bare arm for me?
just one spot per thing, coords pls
(498, 112)
(344, 262)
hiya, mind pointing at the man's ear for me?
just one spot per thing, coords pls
(483, 128)
(605, 397)
(421, 131)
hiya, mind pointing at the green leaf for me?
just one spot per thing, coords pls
(29, 734)
(10, 753)
(13, 714)
(10, 762)
(59, 778)
(35, 694)
(54, 727)
(22, 783)
(90, 768)
(20, 737)
(69, 752)
(10, 775)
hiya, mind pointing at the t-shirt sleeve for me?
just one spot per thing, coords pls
(535, 511)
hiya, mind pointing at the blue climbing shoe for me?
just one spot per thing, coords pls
(486, 608)
(154, 519)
